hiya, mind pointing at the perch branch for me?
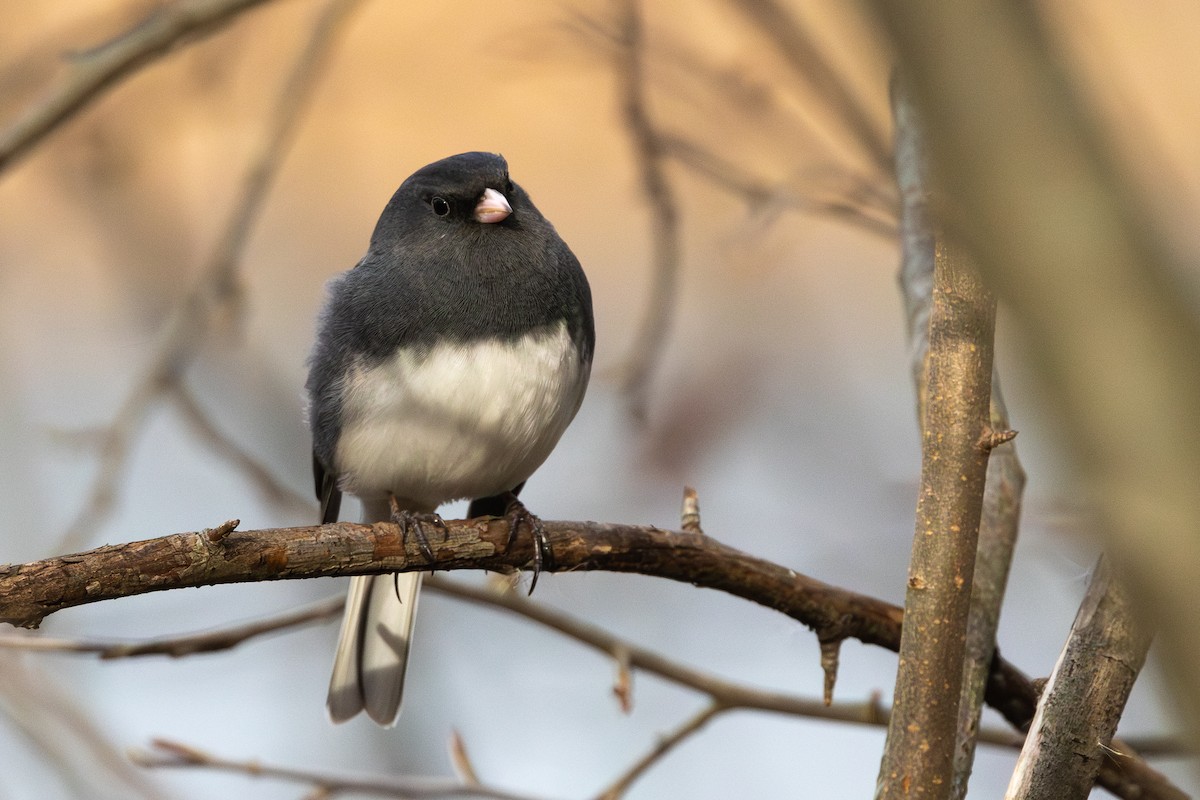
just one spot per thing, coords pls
(31, 591)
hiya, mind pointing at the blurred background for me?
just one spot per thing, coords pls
(771, 374)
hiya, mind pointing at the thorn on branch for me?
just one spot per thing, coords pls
(689, 516)
(461, 761)
(991, 439)
(830, 649)
(623, 684)
(217, 535)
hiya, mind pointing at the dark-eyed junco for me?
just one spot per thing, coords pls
(448, 363)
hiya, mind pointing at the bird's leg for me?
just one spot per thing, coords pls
(410, 521)
(516, 513)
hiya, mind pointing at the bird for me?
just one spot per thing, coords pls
(447, 364)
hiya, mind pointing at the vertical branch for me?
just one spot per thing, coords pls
(650, 154)
(1083, 701)
(1036, 195)
(1005, 477)
(956, 435)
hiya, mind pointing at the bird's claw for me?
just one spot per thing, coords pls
(543, 556)
(410, 523)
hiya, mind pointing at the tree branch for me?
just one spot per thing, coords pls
(173, 754)
(922, 738)
(1005, 481)
(650, 156)
(1084, 699)
(1034, 192)
(101, 68)
(29, 592)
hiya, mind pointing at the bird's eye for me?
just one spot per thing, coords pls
(440, 206)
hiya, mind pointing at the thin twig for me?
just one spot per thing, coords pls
(799, 49)
(171, 754)
(101, 68)
(850, 204)
(217, 290)
(180, 646)
(53, 722)
(205, 429)
(661, 748)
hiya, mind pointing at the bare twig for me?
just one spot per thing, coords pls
(853, 203)
(55, 724)
(661, 748)
(217, 290)
(650, 340)
(1083, 700)
(101, 68)
(462, 761)
(179, 646)
(205, 429)
(922, 738)
(811, 67)
(170, 754)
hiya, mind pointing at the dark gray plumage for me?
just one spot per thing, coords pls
(447, 364)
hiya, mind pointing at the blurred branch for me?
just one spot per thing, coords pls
(1085, 696)
(919, 755)
(35, 703)
(217, 291)
(650, 340)
(661, 748)
(798, 48)
(172, 754)
(179, 646)
(856, 204)
(206, 430)
(1005, 479)
(1031, 189)
(93, 72)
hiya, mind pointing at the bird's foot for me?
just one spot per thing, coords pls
(543, 556)
(411, 522)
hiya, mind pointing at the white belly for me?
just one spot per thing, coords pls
(460, 421)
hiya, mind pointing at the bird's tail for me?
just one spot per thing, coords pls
(372, 649)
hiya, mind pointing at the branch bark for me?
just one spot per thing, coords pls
(30, 592)
(1084, 699)
(922, 737)
(1005, 482)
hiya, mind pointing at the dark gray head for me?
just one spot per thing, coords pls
(445, 197)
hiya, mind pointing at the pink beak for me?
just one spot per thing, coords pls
(492, 207)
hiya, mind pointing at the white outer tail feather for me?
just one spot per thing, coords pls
(372, 648)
